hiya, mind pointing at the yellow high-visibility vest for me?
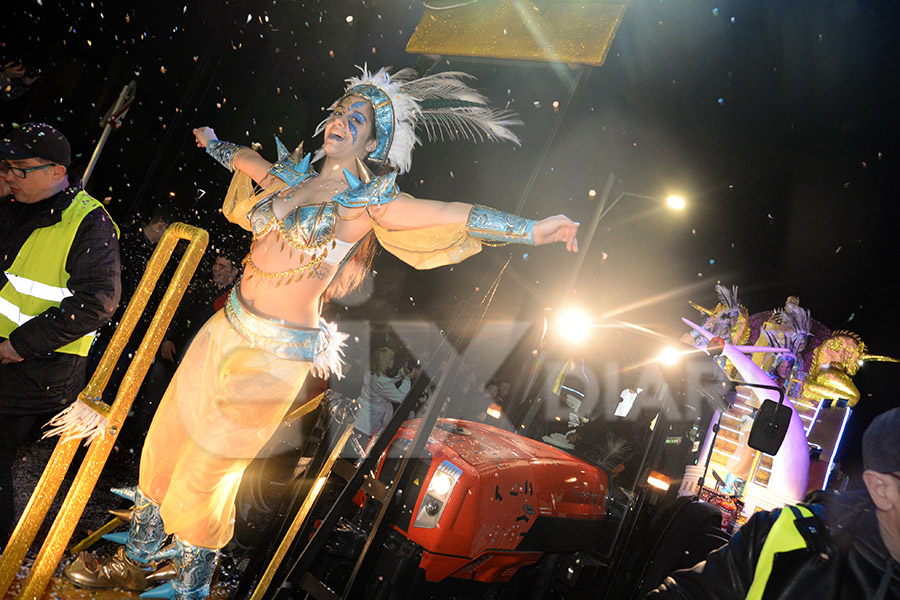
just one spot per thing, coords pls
(36, 281)
(783, 537)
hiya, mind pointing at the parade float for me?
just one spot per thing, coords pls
(814, 368)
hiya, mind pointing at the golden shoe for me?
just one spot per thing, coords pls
(118, 571)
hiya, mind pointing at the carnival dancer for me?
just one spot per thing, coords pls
(313, 239)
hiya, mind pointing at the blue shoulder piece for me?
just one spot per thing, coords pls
(288, 169)
(380, 190)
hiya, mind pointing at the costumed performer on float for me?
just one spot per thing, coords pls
(313, 239)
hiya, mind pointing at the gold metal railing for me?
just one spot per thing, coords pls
(80, 491)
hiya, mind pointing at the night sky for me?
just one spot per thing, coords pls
(776, 120)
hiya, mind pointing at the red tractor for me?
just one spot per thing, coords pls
(473, 510)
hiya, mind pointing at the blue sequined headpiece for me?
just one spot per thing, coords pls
(384, 117)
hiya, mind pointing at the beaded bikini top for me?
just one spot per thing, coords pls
(310, 229)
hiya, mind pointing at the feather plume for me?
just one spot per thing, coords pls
(450, 109)
(606, 454)
(799, 319)
(442, 104)
(726, 297)
(76, 422)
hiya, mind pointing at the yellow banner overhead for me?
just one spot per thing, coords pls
(563, 31)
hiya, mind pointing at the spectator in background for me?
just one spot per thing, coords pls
(138, 244)
(503, 389)
(59, 282)
(199, 305)
(380, 394)
(16, 79)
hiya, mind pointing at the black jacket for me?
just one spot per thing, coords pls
(46, 380)
(845, 559)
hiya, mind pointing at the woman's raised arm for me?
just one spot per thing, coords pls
(233, 156)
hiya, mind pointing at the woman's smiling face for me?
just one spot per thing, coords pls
(350, 128)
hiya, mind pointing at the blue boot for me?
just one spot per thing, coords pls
(195, 567)
(146, 534)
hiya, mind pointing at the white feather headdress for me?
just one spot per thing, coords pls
(441, 104)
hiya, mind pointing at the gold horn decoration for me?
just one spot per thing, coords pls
(533, 30)
(80, 491)
(365, 175)
(878, 358)
(297, 154)
(706, 311)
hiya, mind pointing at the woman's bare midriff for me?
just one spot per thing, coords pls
(296, 302)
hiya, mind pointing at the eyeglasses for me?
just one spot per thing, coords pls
(19, 172)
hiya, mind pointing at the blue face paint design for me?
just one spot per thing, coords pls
(355, 118)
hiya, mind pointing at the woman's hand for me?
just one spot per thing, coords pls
(558, 228)
(203, 135)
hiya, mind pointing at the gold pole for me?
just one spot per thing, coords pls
(80, 491)
(302, 513)
(30, 522)
(95, 537)
(304, 410)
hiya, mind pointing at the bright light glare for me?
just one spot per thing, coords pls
(676, 202)
(658, 480)
(669, 356)
(494, 411)
(574, 326)
(440, 484)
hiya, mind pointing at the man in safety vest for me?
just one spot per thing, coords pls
(59, 282)
(834, 546)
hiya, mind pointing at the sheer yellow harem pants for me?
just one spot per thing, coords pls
(224, 403)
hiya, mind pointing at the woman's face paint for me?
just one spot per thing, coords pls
(354, 117)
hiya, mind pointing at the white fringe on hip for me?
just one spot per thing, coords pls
(328, 360)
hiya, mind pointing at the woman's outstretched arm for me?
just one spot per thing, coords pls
(407, 212)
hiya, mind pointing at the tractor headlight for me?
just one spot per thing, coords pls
(440, 488)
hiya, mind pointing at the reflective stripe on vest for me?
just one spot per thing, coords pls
(783, 537)
(29, 287)
(37, 278)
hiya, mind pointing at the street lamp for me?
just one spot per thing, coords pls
(672, 202)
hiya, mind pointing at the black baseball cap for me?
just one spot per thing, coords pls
(36, 140)
(881, 452)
